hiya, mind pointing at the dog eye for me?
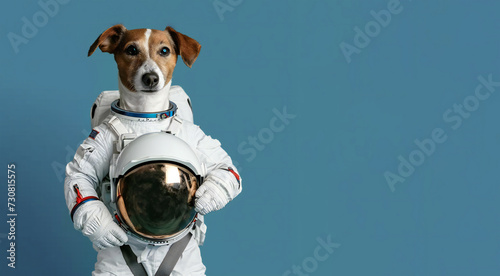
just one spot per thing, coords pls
(131, 50)
(164, 51)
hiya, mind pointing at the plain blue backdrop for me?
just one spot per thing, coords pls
(322, 176)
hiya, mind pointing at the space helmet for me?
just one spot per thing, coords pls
(154, 181)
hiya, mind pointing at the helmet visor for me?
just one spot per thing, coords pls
(156, 200)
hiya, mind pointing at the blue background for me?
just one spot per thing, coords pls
(323, 175)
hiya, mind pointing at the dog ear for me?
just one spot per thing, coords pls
(109, 39)
(185, 46)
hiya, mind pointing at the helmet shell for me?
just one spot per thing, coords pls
(152, 151)
(157, 146)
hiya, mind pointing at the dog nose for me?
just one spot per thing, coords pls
(150, 79)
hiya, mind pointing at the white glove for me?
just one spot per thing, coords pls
(217, 190)
(96, 223)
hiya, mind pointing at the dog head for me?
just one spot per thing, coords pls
(146, 58)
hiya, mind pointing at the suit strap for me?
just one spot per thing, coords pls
(131, 260)
(166, 266)
(173, 255)
(175, 125)
(116, 125)
(123, 134)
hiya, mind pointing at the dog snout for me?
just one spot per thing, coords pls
(150, 79)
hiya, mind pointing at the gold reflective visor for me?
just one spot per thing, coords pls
(156, 200)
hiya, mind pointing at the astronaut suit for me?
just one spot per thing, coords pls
(90, 207)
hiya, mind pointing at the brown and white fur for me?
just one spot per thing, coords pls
(146, 59)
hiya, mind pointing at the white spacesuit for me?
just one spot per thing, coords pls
(89, 206)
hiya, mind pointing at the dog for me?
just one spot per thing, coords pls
(146, 59)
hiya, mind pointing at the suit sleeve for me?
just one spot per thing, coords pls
(89, 166)
(218, 163)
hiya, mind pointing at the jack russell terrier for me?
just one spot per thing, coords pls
(146, 59)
